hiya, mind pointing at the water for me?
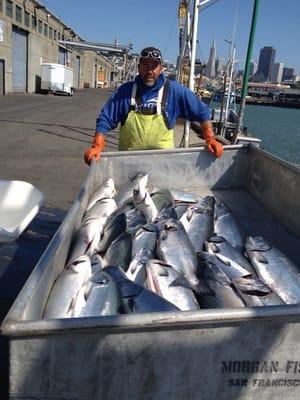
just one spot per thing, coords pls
(279, 129)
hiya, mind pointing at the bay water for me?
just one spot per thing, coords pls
(278, 128)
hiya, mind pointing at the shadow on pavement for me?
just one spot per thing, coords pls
(17, 260)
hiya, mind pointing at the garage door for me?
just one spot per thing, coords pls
(19, 65)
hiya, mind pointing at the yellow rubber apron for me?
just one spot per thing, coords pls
(145, 132)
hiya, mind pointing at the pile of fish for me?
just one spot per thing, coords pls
(141, 249)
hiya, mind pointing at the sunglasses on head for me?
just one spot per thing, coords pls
(151, 53)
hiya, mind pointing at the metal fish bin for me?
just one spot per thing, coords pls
(243, 353)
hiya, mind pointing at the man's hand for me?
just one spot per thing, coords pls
(96, 149)
(213, 146)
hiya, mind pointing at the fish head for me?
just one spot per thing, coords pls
(79, 263)
(205, 205)
(141, 178)
(101, 278)
(110, 184)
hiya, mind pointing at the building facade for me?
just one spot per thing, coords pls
(210, 70)
(288, 74)
(30, 35)
(266, 59)
(276, 72)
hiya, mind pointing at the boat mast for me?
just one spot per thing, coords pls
(189, 39)
(194, 31)
(230, 85)
(246, 72)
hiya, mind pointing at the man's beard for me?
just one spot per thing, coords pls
(149, 84)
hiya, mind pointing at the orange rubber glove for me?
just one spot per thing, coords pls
(213, 146)
(96, 149)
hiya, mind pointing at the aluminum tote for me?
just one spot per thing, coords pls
(245, 353)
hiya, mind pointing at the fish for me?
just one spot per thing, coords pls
(162, 279)
(135, 219)
(231, 268)
(97, 263)
(125, 192)
(143, 201)
(175, 248)
(66, 289)
(145, 238)
(112, 229)
(181, 196)
(255, 292)
(101, 210)
(180, 209)
(87, 238)
(198, 221)
(219, 245)
(162, 198)
(102, 298)
(220, 284)
(105, 190)
(137, 267)
(274, 268)
(166, 213)
(136, 298)
(227, 226)
(119, 252)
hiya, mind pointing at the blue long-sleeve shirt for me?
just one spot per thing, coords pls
(181, 103)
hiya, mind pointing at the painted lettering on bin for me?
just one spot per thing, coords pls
(261, 373)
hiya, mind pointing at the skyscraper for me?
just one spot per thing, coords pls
(288, 74)
(266, 59)
(210, 70)
(276, 72)
(253, 68)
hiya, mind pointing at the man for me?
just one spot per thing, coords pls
(148, 108)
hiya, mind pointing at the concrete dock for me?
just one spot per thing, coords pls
(43, 139)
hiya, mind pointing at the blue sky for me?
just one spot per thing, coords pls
(155, 22)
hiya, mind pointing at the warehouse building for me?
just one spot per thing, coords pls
(30, 35)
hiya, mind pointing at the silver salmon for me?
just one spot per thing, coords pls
(275, 269)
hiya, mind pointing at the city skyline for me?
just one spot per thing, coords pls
(226, 20)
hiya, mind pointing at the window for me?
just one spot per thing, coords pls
(40, 26)
(1, 5)
(54, 34)
(27, 18)
(50, 32)
(45, 29)
(33, 22)
(9, 8)
(18, 14)
(58, 35)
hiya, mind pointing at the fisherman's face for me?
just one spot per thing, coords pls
(149, 71)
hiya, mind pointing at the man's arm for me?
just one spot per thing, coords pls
(114, 111)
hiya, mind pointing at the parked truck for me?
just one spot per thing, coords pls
(57, 78)
(243, 353)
